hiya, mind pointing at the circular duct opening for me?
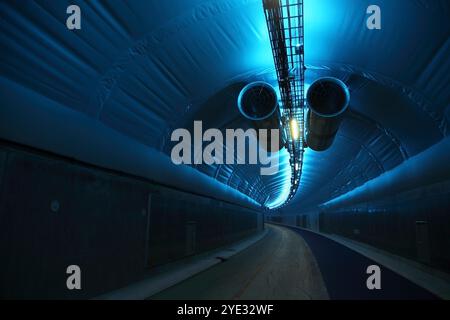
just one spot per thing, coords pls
(328, 97)
(257, 101)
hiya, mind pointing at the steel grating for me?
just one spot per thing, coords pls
(285, 23)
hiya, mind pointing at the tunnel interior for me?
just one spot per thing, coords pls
(87, 120)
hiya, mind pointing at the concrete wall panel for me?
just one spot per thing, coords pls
(55, 213)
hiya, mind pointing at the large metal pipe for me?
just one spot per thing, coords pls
(258, 102)
(328, 99)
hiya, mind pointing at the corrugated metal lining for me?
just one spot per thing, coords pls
(143, 68)
(362, 151)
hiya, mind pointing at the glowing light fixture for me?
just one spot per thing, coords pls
(295, 134)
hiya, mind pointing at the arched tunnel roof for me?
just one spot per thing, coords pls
(143, 70)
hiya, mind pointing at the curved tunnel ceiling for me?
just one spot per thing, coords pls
(145, 68)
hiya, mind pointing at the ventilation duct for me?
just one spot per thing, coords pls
(258, 102)
(328, 100)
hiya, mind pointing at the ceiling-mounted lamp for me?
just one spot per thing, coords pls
(295, 131)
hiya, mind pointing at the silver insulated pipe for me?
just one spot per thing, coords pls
(258, 102)
(327, 99)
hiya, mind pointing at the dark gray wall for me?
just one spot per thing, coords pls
(413, 224)
(55, 212)
(397, 223)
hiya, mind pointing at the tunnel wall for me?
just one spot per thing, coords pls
(56, 212)
(412, 224)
